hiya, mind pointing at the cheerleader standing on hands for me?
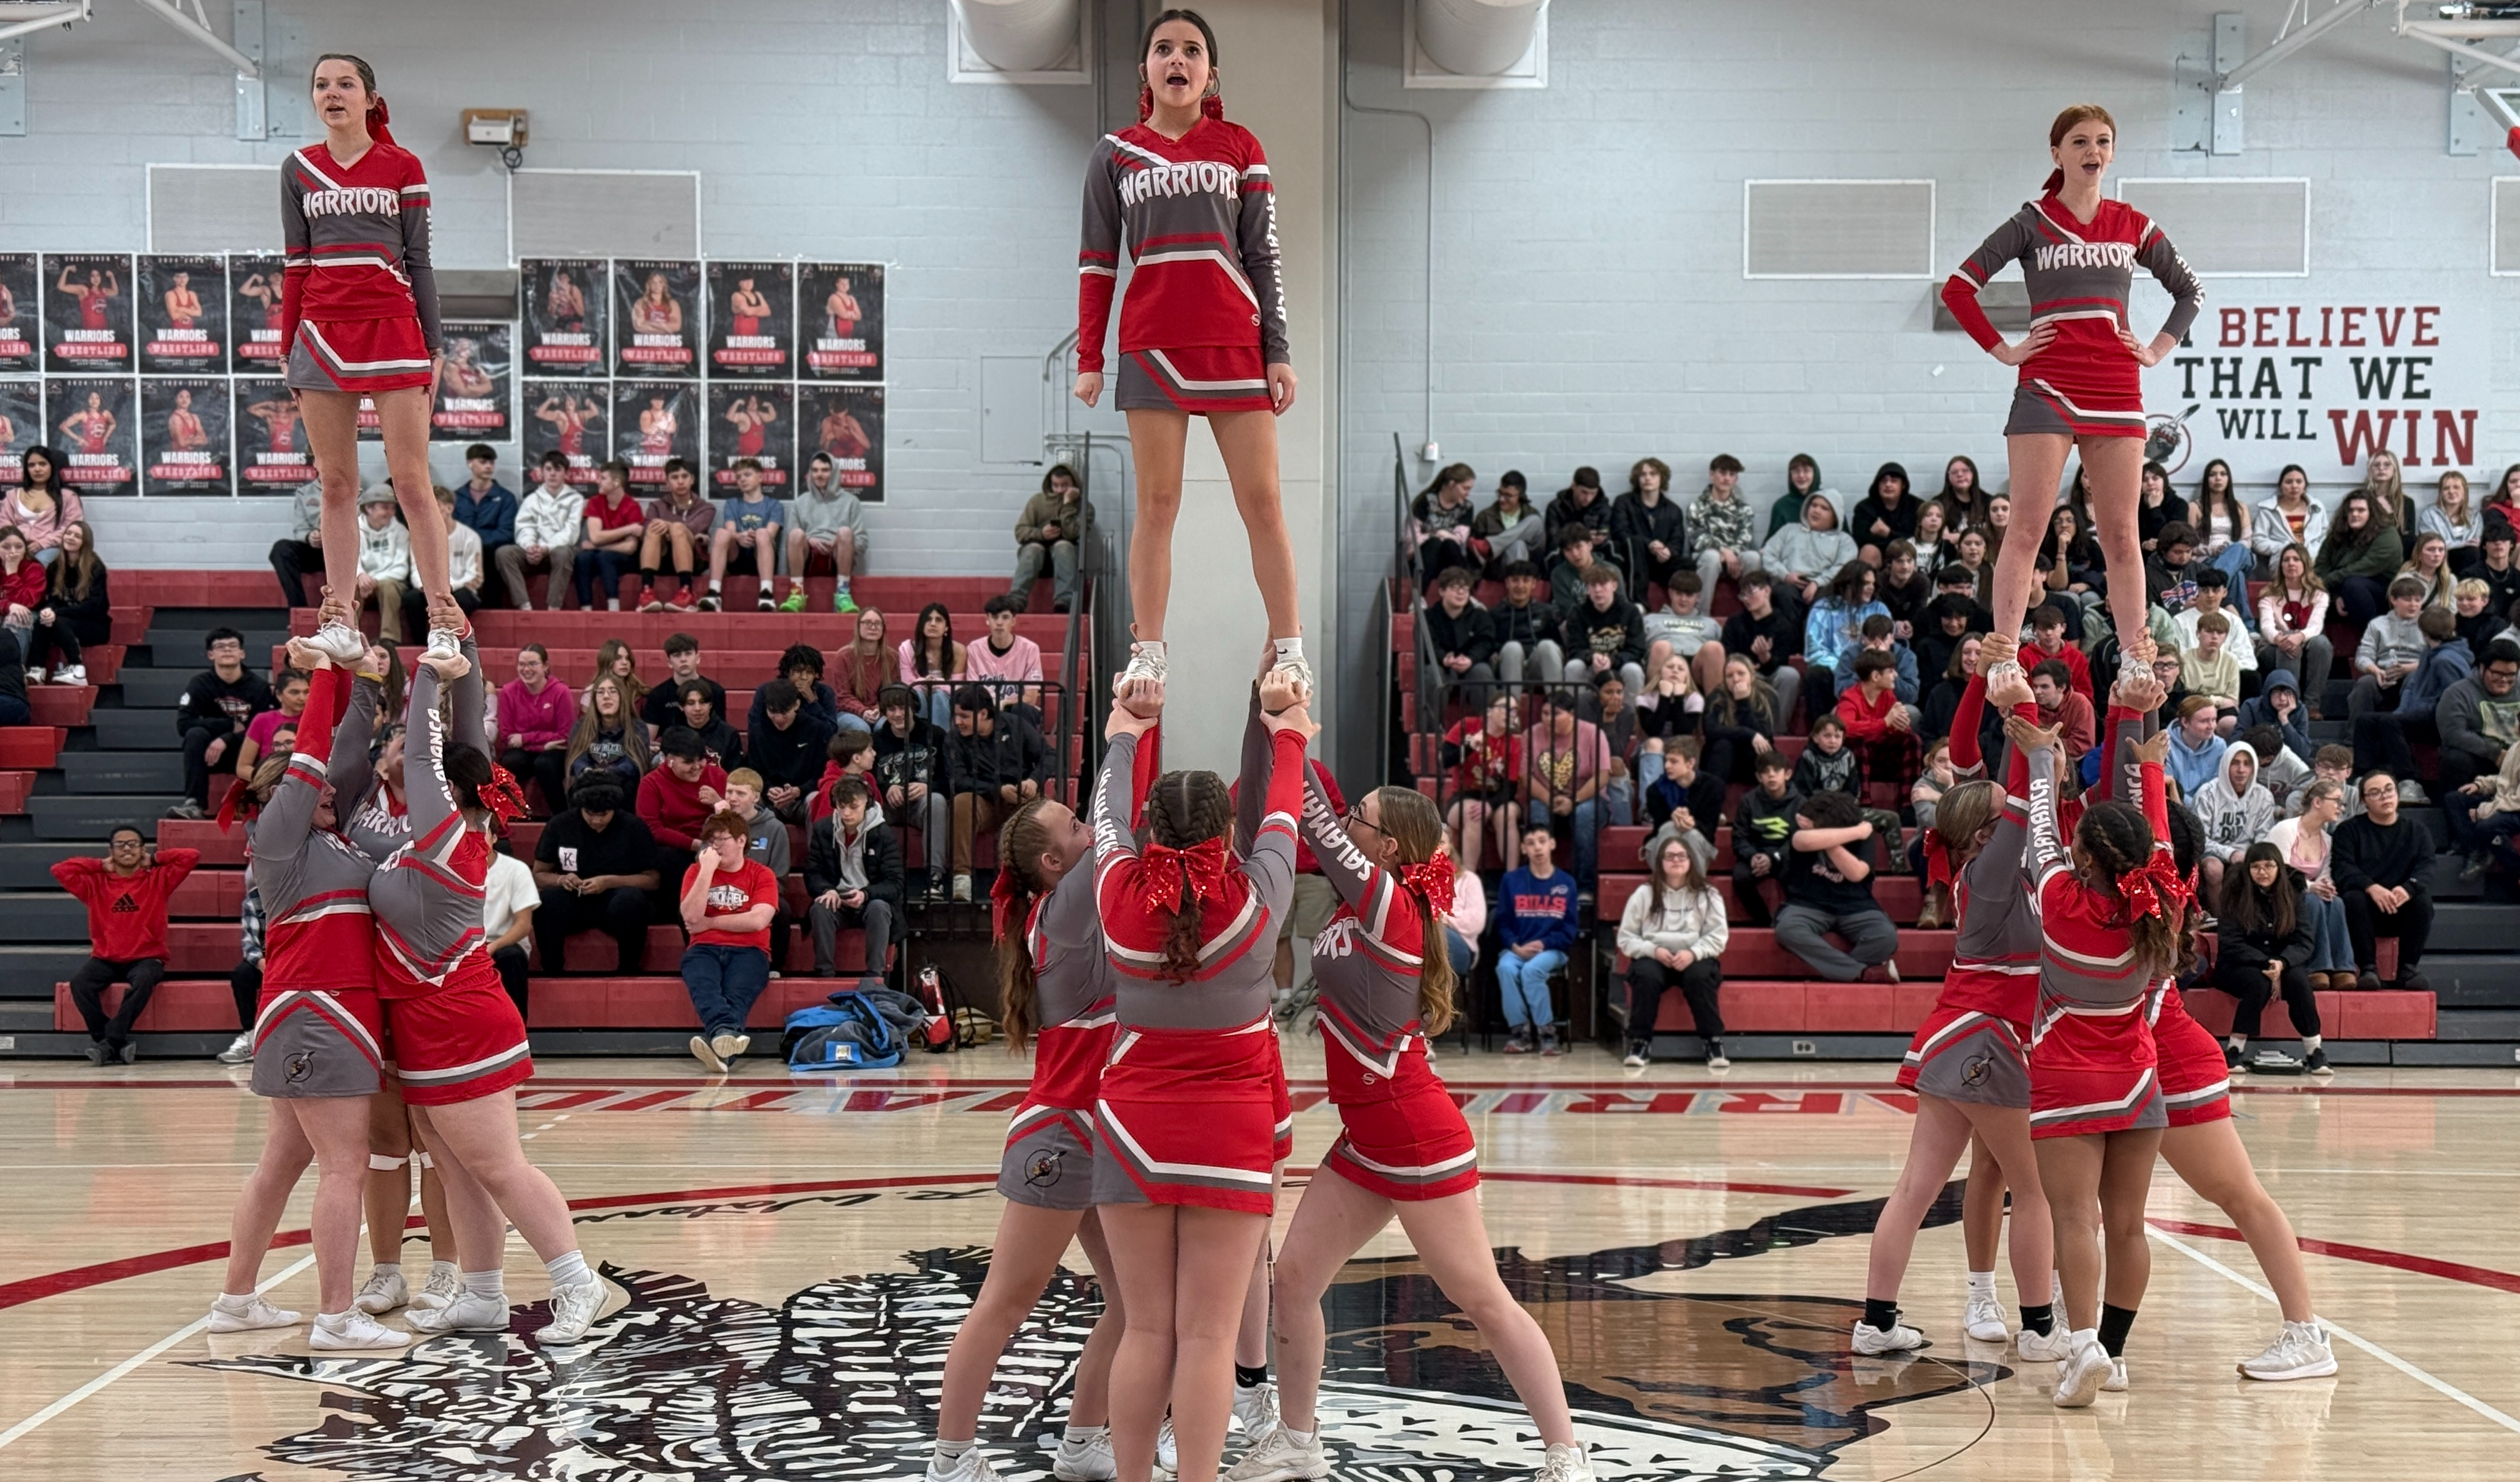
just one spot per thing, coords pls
(1191, 1117)
(1203, 330)
(1056, 983)
(359, 318)
(1404, 1147)
(2081, 380)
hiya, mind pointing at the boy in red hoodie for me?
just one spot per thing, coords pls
(1882, 729)
(678, 797)
(126, 895)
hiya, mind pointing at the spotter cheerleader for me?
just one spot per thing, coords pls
(1055, 981)
(1191, 1117)
(316, 1029)
(2108, 909)
(1970, 1063)
(1404, 1147)
(459, 1044)
(2080, 384)
(359, 318)
(1202, 332)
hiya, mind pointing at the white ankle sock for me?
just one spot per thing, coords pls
(1084, 1433)
(233, 1301)
(487, 1283)
(1981, 1283)
(1300, 1437)
(335, 1321)
(569, 1270)
(948, 1450)
(2240, 1042)
(2308, 1045)
(386, 1269)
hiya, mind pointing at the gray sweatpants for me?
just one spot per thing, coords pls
(1803, 931)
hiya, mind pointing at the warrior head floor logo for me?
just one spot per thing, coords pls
(840, 1382)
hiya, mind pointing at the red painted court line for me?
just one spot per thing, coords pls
(2368, 1255)
(809, 1083)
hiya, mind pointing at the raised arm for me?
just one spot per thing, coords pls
(1967, 761)
(354, 769)
(1359, 881)
(1251, 799)
(1271, 865)
(472, 725)
(423, 772)
(281, 828)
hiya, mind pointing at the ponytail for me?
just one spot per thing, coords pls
(1014, 897)
(1409, 818)
(2119, 842)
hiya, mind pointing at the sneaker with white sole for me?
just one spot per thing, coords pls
(705, 1051)
(573, 1310)
(1634, 1058)
(2300, 1352)
(1281, 1457)
(764, 601)
(256, 1314)
(1085, 1459)
(2050, 1347)
(355, 1330)
(969, 1466)
(1146, 662)
(1167, 1449)
(444, 643)
(730, 1047)
(2116, 1382)
(2079, 1376)
(1872, 1341)
(445, 1284)
(1565, 1464)
(70, 674)
(342, 644)
(1984, 1320)
(386, 1290)
(1255, 1409)
(469, 1312)
(240, 1051)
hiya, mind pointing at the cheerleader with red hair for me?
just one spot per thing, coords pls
(1404, 1148)
(1192, 1116)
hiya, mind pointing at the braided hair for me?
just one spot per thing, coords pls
(1183, 809)
(2117, 839)
(1021, 845)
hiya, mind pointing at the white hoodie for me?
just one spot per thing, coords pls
(2234, 819)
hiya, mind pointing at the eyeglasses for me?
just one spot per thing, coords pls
(1355, 820)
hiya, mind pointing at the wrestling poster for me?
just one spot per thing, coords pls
(753, 321)
(184, 436)
(840, 314)
(22, 336)
(476, 390)
(183, 311)
(94, 423)
(254, 313)
(87, 312)
(756, 421)
(573, 417)
(660, 318)
(270, 445)
(653, 420)
(566, 299)
(846, 423)
(21, 426)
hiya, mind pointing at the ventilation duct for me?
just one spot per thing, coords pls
(1476, 38)
(1018, 35)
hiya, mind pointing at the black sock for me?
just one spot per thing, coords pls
(2041, 1319)
(1246, 1377)
(1880, 1316)
(2115, 1322)
(647, 576)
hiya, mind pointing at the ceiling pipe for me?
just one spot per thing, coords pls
(1476, 38)
(1018, 35)
(198, 26)
(25, 20)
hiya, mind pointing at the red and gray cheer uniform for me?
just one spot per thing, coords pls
(2093, 1066)
(1974, 1046)
(457, 1036)
(1192, 1107)
(1049, 1159)
(318, 1027)
(359, 301)
(1205, 315)
(1400, 1135)
(2085, 383)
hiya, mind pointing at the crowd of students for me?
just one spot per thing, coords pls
(53, 587)
(1573, 700)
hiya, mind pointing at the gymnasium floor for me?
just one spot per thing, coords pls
(790, 1258)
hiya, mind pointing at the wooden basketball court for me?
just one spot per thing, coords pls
(790, 1257)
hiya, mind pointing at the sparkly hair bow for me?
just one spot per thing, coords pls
(502, 797)
(1174, 876)
(2155, 889)
(1433, 879)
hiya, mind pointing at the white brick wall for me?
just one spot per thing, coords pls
(822, 128)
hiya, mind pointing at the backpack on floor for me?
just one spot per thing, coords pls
(844, 1032)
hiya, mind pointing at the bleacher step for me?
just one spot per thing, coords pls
(2459, 927)
(2465, 981)
(2479, 1024)
(156, 689)
(146, 729)
(43, 916)
(30, 971)
(91, 773)
(93, 818)
(29, 867)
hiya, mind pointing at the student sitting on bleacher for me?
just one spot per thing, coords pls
(727, 902)
(1879, 634)
(483, 504)
(679, 796)
(1742, 720)
(1536, 915)
(722, 741)
(1672, 934)
(538, 715)
(1685, 797)
(595, 868)
(1007, 662)
(910, 773)
(1579, 549)
(765, 839)
(1951, 617)
(1879, 729)
(1049, 532)
(1828, 888)
(861, 670)
(212, 715)
(385, 563)
(2060, 705)
(826, 532)
(1767, 635)
(292, 688)
(1524, 627)
(994, 762)
(1605, 634)
(1607, 707)
(784, 743)
(663, 708)
(299, 551)
(1682, 628)
(509, 900)
(549, 522)
(125, 896)
(1457, 634)
(77, 612)
(801, 667)
(2381, 861)
(853, 878)
(1763, 824)
(23, 583)
(1484, 754)
(464, 565)
(1566, 763)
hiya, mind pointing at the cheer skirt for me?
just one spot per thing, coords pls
(2195, 1084)
(1208, 378)
(1968, 1054)
(2094, 1074)
(459, 1042)
(1048, 1161)
(1192, 1116)
(2039, 405)
(363, 356)
(318, 1042)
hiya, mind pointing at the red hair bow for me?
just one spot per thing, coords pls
(1433, 879)
(1196, 873)
(1002, 900)
(2155, 889)
(1938, 860)
(502, 797)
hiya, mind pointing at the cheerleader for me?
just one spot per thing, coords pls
(1192, 1116)
(2080, 384)
(1055, 981)
(1404, 1147)
(2200, 1144)
(1967, 1064)
(315, 1032)
(2108, 908)
(458, 1043)
(359, 319)
(1202, 332)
